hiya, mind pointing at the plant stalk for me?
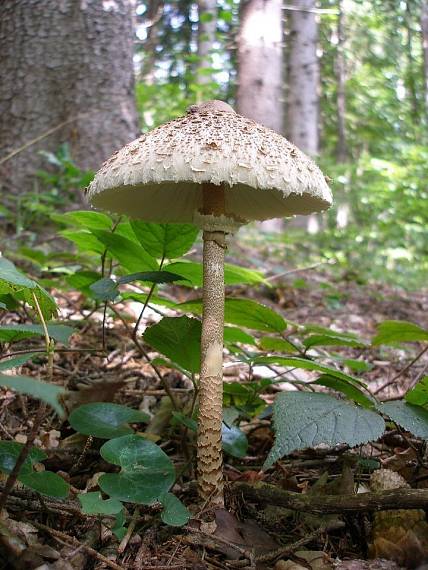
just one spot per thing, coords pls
(209, 446)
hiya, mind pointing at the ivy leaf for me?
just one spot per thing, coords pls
(174, 512)
(94, 504)
(303, 419)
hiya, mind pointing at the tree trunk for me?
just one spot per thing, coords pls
(303, 87)
(152, 19)
(303, 77)
(424, 28)
(207, 27)
(64, 63)
(260, 62)
(342, 149)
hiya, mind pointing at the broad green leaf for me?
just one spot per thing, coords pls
(273, 344)
(119, 529)
(245, 313)
(357, 365)
(49, 393)
(233, 335)
(165, 240)
(105, 289)
(9, 453)
(177, 338)
(85, 241)
(130, 255)
(105, 420)
(94, 504)
(333, 339)
(391, 332)
(13, 333)
(230, 415)
(86, 219)
(11, 276)
(174, 512)
(235, 441)
(16, 361)
(419, 394)
(303, 419)
(142, 297)
(295, 362)
(349, 389)
(46, 483)
(146, 471)
(410, 417)
(233, 274)
(190, 423)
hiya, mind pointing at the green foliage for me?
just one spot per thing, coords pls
(303, 420)
(419, 394)
(391, 332)
(146, 471)
(44, 482)
(94, 504)
(49, 393)
(105, 420)
(410, 417)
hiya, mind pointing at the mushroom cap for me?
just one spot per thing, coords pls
(159, 176)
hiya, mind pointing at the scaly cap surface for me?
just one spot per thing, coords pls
(158, 177)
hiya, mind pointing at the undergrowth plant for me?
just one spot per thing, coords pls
(136, 262)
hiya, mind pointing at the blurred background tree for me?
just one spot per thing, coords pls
(346, 80)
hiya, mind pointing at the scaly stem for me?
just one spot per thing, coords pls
(210, 457)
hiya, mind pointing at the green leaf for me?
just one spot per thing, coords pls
(419, 394)
(273, 344)
(245, 313)
(174, 512)
(295, 362)
(151, 277)
(146, 471)
(410, 417)
(13, 333)
(119, 529)
(16, 361)
(165, 240)
(233, 274)
(130, 255)
(230, 415)
(49, 393)
(82, 280)
(350, 390)
(10, 275)
(303, 419)
(390, 332)
(190, 423)
(46, 483)
(177, 338)
(9, 453)
(94, 504)
(357, 365)
(235, 441)
(334, 339)
(104, 289)
(105, 420)
(85, 241)
(233, 335)
(86, 219)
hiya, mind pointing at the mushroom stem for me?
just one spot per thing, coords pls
(209, 448)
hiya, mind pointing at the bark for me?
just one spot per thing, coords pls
(260, 62)
(342, 149)
(152, 20)
(424, 29)
(303, 77)
(207, 10)
(64, 62)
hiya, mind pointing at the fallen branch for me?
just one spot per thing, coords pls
(325, 504)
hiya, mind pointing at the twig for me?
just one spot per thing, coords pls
(403, 370)
(299, 270)
(124, 542)
(39, 138)
(327, 504)
(74, 542)
(30, 351)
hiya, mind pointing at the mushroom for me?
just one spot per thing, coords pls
(218, 170)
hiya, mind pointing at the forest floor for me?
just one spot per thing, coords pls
(49, 534)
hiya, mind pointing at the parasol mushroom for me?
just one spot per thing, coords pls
(218, 170)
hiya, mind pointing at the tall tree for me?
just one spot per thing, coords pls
(67, 70)
(424, 28)
(341, 150)
(260, 62)
(303, 77)
(207, 26)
